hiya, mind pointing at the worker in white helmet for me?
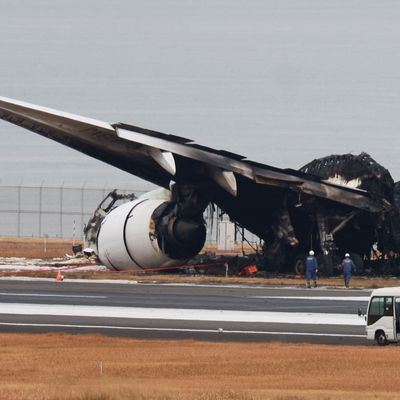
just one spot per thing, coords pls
(311, 269)
(348, 268)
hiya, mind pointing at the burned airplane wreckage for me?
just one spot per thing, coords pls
(334, 205)
(333, 229)
(297, 222)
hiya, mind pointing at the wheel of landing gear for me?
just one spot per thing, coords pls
(299, 264)
(380, 338)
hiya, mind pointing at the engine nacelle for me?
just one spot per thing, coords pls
(132, 237)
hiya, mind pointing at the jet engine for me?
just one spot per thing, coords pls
(148, 233)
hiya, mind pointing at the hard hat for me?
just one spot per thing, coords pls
(347, 255)
(311, 253)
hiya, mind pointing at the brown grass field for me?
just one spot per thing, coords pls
(61, 366)
(46, 248)
(34, 247)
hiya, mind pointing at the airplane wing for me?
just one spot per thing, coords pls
(246, 188)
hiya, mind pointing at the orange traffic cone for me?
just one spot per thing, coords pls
(59, 278)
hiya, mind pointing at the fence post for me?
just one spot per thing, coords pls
(45, 242)
(40, 208)
(19, 211)
(73, 233)
(82, 207)
(61, 209)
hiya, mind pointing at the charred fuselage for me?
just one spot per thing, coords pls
(333, 229)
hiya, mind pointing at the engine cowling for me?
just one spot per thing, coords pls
(132, 236)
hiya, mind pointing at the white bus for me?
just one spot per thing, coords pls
(383, 316)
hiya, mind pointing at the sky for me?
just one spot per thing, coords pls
(281, 82)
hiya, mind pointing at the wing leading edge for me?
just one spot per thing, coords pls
(156, 156)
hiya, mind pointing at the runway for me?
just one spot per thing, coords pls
(205, 312)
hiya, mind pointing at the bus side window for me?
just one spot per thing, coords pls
(388, 306)
(376, 310)
(380, 306)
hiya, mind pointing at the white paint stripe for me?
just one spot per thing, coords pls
(328, 298)
(222, 286)
(181, 314)
(134, 328)
(52, 295)
(66, 280)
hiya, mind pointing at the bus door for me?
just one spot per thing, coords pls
(381, 316)
(397, 317)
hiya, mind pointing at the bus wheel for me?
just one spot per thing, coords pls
(380, 338)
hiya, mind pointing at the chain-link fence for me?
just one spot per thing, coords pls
(48, 211)
(62, 212)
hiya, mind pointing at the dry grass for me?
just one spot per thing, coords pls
(51, 366)
(52, 247)
(334, 282)
(35, 247)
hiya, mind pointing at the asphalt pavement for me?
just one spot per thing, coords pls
(179, 311)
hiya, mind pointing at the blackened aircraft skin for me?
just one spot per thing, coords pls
(279, 205)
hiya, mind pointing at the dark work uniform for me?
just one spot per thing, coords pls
(348, 269)
(311, 270)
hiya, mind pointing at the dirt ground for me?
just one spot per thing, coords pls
(38, 248)
(61, 366)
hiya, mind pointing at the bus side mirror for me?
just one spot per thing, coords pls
(361, 313)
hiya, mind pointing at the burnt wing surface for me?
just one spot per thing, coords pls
(290, 210)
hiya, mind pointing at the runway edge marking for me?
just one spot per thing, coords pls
(218, 331)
